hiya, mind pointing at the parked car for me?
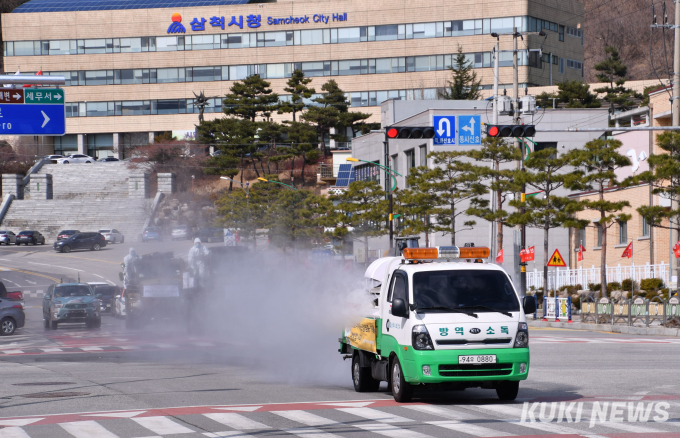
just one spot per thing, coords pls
(27, 237)
(92, 241)
(65, 234)
(76, 158)
(71, 303)
(12, 315)
(152, 233)
(181, 232)
(112, 235)
(106, 294)
(210, 234)
(53, 158)
(107, 159)
(7, 237)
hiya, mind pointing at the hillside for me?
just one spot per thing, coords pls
(625, 24)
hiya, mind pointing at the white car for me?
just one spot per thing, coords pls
(112, 235)
(76, 158)
(52, 157)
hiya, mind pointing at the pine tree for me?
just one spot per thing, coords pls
(297, 87)
(464, 84)
(547, 173)
(596, 165)
(359, 212)
(233, 138)
(497, 154)
(449, 183)
(250, 98)
(664, 177)
(303, 143)
(613, 71)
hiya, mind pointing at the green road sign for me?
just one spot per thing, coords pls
(44, 96)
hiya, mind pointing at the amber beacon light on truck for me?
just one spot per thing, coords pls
(446, 252)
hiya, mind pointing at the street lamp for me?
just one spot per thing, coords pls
(246, 189)
(387, 169)
(277, 182)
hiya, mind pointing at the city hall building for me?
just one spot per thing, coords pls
(133, 67)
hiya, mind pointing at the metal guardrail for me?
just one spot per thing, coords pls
(629, 312)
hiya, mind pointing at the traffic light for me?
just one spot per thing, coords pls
(410, 132)
(518, 131)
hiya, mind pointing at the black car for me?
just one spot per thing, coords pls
(106, 294)
(27, 237)
(65, 234)
(107, 159)
(92, 241)
(210, 234)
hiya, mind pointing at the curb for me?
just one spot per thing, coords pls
(610, 328)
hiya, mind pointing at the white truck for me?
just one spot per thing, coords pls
(442, 317)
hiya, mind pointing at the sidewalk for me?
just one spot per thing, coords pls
(611, 328)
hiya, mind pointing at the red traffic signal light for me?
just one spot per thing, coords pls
(411, 132)
(511, 130)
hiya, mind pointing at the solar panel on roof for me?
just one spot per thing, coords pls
(103, 5)
(345, 175)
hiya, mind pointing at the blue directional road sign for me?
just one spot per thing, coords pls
(444, 130)
(469, 130)
(32, 112)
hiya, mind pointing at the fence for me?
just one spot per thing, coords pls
(629, 312)
(570, 277)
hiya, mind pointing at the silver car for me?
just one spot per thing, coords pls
(7, 237)
(181, 232)
(112, 235)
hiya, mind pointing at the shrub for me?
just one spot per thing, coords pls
(614, 285)
(594, 287)
(576, 302)
(665, 294)
(650, 295)
(578, 287)
(649, 284)
(626, 284)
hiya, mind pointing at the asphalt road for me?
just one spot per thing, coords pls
(163, 382)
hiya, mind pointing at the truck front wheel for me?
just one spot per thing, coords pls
(361, 376)
(401, 389)
(507, 391)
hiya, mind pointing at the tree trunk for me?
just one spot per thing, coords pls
(302, 172)
(241, 168)
(292, 169)
(453, 224)
(603, 251)
(257, 172)
(427, 234)
(546, 254)
(499, 198)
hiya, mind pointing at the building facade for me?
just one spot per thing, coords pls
(132, 67)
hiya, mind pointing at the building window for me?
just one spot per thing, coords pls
(623, 232)
(561, 66)
(581, 236)
(367, 172)
(410, 162)
(598, 229)
(645, 227)
(561, 33)
(394, 164)
(423, 155)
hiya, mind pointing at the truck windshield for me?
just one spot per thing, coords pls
(464, 289)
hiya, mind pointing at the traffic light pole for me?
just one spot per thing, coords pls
(520, 164)
(388, 189)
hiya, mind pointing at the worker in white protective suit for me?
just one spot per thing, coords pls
(130, 268)
(198, 260)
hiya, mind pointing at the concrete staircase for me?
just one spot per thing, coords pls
(87, 197)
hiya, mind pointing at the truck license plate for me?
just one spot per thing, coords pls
(487, 358)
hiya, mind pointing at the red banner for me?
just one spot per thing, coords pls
(530, 254)
(628, 252)
(580, 254)
(499, 256)
(523, 255)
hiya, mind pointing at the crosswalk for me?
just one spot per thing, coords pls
(602, 340)
(389, 420)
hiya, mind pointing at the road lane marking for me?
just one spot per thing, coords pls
(469, 428)
(442, 412)
(375, 415)
(10, 281)
(628, 427)
(13, 432)
(390, 430)
(227, 434)
(236, 421)
(56, 280)
(162, 425)
(87, 429)
(19, 422)
(55, 266)
(310, 432)
(306, 418)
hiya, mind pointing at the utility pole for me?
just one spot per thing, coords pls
(388, 188)
(520, 229)
(675, 111)
(496, 54)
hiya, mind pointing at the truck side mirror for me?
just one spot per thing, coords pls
(399, 308)
(529, 304)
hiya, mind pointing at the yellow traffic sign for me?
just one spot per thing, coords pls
(556, 260)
